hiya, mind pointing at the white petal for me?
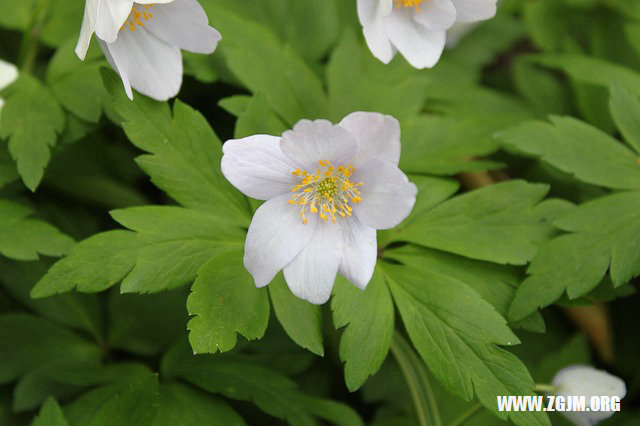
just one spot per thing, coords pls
(147, 64)
(387, 195)
(370, 13)
(312, 141)
(436, 14)
(360, 252)
(583, 380)
(257, 166)
(311, 275)
(185, 24)
(475, 10)
(276, 236)
(88, 27)
(8, 74)
(110, 17)
(377, 135)
(457, 32)
(420, 46)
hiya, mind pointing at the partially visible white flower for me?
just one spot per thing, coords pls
(583, 380)
(142, 40)
(8, 74)
(416, 28)
(328, 188)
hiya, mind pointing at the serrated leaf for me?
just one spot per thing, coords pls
(225, 301)
(459, 345)
(625, 109)
(497, 223)
(23, 238)
(605, 233)
(352, 308)
(260, 61)
(579, 149)
(32, 120)
(184, 152)
(50, 415)
(181, 405)
(166, 250)
(301, 320)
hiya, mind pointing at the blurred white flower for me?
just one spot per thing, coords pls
(328, 188)
(416, 28)
(142, 40)
(583, 380)
(8, 74)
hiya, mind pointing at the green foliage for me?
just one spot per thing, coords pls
(31, 119)
(540, 104)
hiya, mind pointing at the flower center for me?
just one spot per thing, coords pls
(139, 14)
(328, 192)
(409, 3)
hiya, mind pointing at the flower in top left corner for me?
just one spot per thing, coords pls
(142, 40)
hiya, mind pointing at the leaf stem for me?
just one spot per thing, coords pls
(466, 415)
(415, 373)
(31, 39)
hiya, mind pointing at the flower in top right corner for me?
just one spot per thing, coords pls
(416, 28)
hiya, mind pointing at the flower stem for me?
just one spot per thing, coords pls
(466, 415)
(415, 373)
(541, 387)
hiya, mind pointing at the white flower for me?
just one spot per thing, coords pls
(416, 28)
(583, 380)
(328, 188)
(8, 74)
(142, 40)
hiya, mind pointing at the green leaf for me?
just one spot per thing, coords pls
(50, 415)
(352, 308)
(181, 405)
(77, 85)
(80, 311)
(301, 320)
(22, 238)
(459, 345)
(225, 301)
(169, 246)
(445, 145)
(605, 233)
(146, 324)
(184, 153)
(93, 265)
(27, 342)
(258, 118)
(625, 109)
(261, 62)
(496, 284)
(137, 404)
(359, 82)
(579, 149)
(273, 393)
(32, 120)
(497, 223)
(592, 70)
